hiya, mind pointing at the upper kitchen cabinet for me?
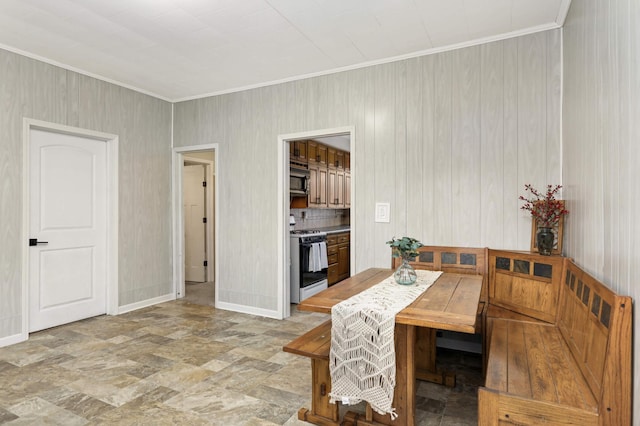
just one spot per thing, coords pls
(329, 174)
(335, 158)
(317, 153)
(339, 160)
(298, 151)
(347, 190)
(317, 185)
(335, 188)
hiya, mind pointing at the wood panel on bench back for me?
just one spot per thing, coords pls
(596, 325)
(458, 260)
(525, 283)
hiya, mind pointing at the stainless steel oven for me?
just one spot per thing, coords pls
(308, 251)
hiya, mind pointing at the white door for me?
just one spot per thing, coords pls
(194, 194)
(68, 202)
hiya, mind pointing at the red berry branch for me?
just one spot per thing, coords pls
(544, 208)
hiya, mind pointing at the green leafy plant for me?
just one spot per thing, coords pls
(405, 247)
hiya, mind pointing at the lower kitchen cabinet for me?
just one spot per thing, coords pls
(338, 257)
(343, 261)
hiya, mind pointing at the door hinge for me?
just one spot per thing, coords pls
(206, 263)
(204, 184)
(204, 220)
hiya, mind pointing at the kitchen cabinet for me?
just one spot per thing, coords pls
(317, 153)
(331, 156)
(335, 158)
(339, 257)
(339, 163)
(343, 261)
(329, 174)
(335, 188)
(317, 186)
(347, 190)
(298, 151)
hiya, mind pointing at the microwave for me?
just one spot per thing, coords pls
(298, 182)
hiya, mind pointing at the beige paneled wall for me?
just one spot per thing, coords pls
(601, 146)
(29, 88)
(448, 139)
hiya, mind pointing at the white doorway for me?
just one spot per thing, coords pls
(195, 223)
(194, 196)
(346, 133)
(70, 212)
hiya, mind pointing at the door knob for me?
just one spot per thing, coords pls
(35, 242)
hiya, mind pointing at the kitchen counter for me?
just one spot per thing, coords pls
(335, 229)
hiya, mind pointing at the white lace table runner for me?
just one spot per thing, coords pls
(363, 357)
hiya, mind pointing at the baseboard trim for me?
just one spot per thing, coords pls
(145, 303)
(13, 339)
(248, 310)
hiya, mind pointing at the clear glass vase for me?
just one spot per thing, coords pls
(405, 274)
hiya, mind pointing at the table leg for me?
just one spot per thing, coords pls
(322, 411)
(404, 394)
(425, 358)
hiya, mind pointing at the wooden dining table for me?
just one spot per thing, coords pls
(451, 303)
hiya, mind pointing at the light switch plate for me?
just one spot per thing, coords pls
(382, 212)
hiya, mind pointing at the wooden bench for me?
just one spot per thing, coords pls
(559, 345)
(315, 344)
(458, 260)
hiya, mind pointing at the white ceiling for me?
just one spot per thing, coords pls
(182, 49)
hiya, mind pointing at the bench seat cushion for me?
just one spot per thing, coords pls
(531, 360)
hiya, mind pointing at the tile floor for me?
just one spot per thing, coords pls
(180, 363)
(199, 293)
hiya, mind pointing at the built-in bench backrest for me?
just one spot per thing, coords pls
(459, 260)
(596, 324)
(526, 283)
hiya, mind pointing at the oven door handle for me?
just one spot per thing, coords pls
(310, 244)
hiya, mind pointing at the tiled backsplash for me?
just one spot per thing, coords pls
(320, 218)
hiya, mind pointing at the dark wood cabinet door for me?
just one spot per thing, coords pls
(317, 153)
(298, 151)
(339, 163)
(332, 155)
(332, 274)
(343, 261)
(321, 156)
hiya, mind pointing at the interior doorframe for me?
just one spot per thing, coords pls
(177, 166)
(284, 296)
(112, 142)
(209, 211)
